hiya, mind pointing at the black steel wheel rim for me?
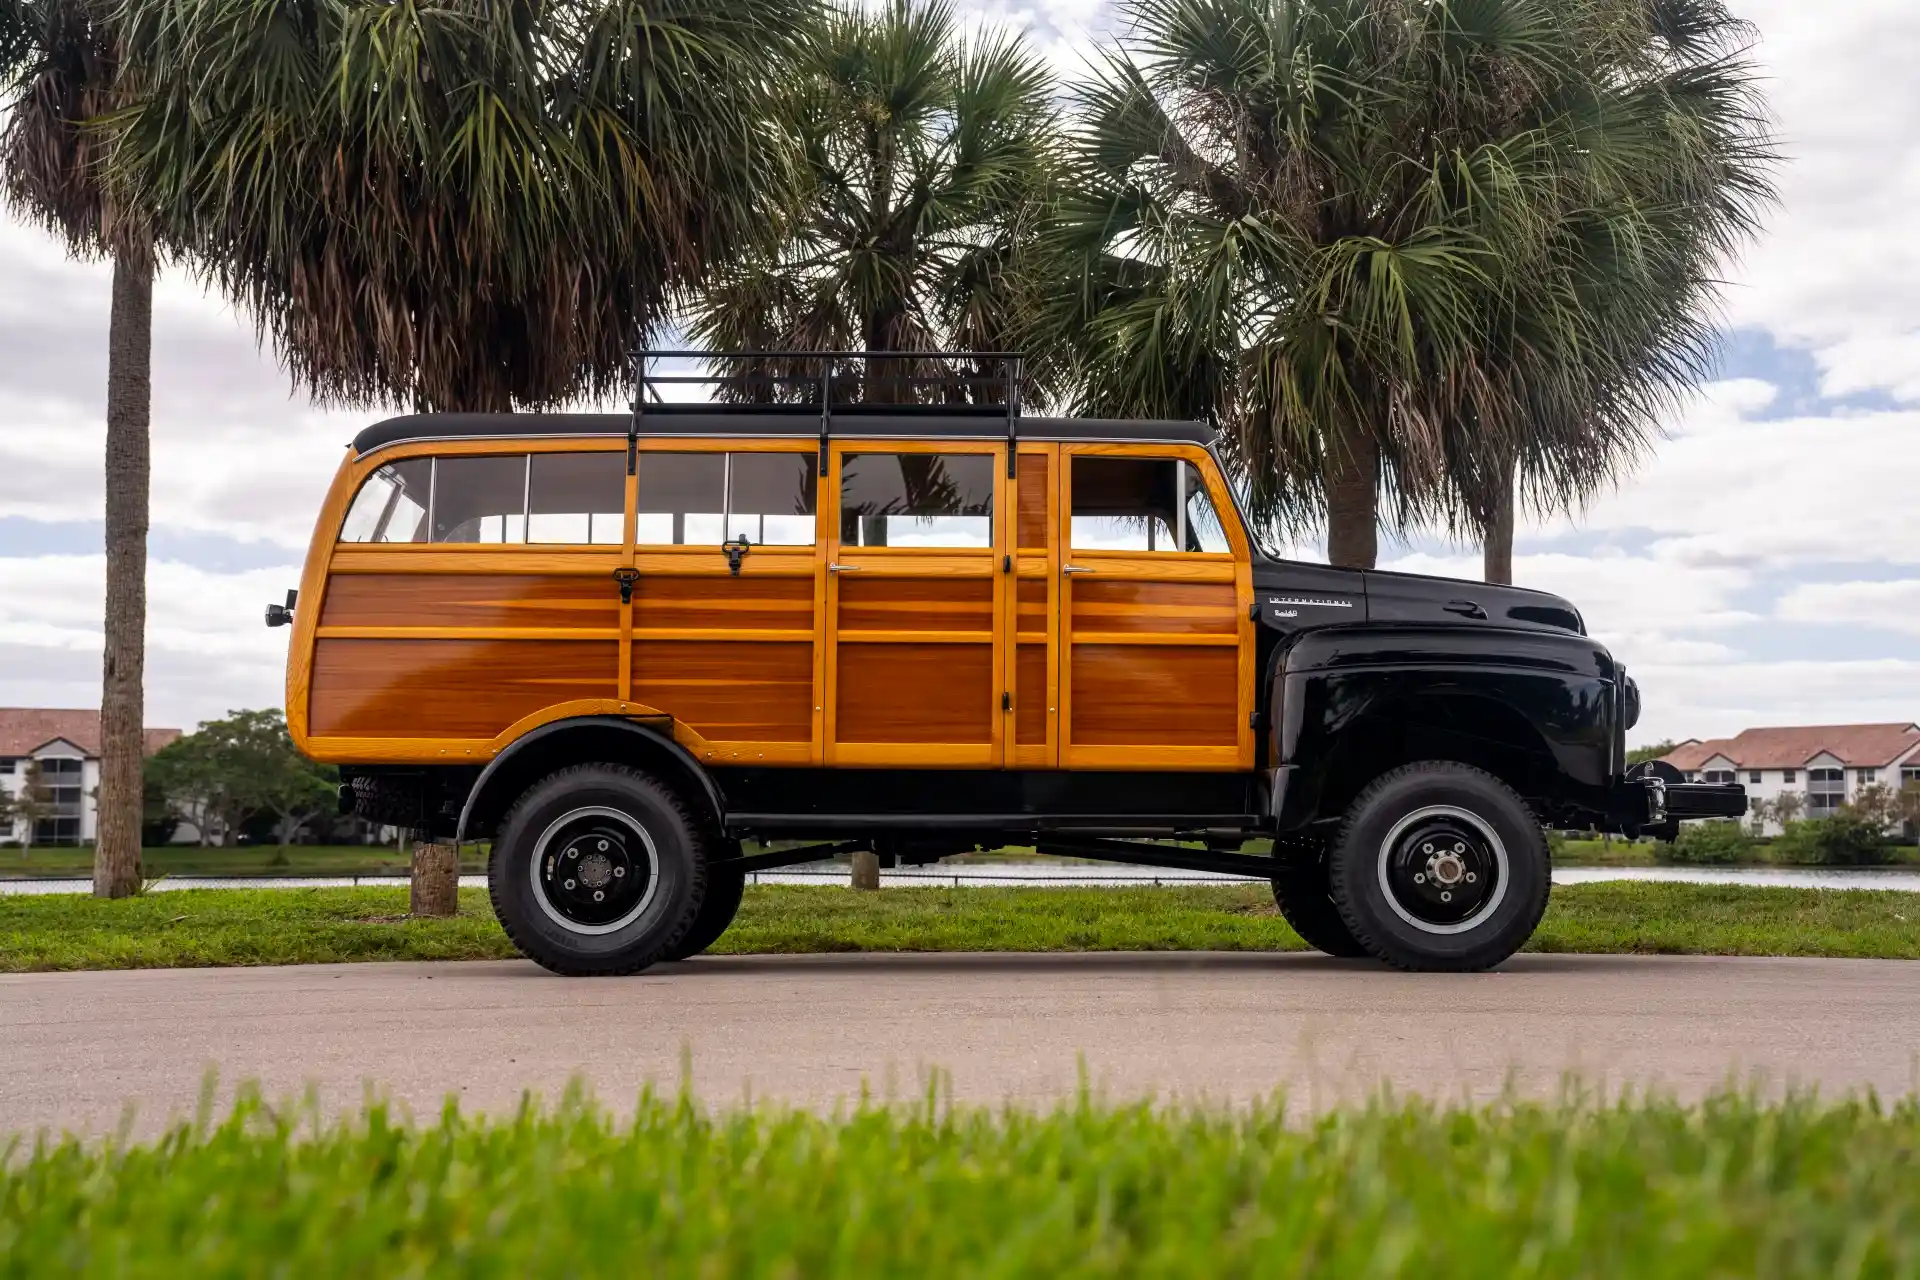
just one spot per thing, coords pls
(594, 870)
(1443, 869)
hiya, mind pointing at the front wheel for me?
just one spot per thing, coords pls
(1440, 866)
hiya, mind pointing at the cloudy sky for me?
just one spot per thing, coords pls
(1762, 568)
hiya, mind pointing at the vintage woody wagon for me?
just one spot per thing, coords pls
(642, 652)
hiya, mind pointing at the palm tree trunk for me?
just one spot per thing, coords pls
(1353, 502)
(116, 850)
(1498, 545)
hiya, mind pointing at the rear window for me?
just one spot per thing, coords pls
(547, 498)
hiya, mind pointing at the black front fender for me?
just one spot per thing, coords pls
(1540, 710)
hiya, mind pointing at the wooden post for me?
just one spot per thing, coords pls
(435, 890)
(866, 869)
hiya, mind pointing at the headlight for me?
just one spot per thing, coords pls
(1632, 700)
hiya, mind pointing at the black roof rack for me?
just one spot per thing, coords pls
(899, 381)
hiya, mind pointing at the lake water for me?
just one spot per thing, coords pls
(1056, 874)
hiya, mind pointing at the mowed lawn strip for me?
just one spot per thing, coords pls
(1643, 1188)
(202, 927)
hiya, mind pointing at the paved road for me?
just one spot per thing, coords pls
(76, 1048)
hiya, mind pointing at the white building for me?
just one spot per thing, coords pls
(1827, 765)
(66, 746)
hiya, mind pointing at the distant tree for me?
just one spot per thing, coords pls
(1786, 807)
(28, 805)
(226, 771)
(1652, 751)
(1906, 807)
(1874, 804)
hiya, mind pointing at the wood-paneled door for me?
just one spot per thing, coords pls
(1157, 649)
(726, 607)
(916, 599)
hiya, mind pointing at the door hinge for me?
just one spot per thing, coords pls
(1257, 720)
(1006, 701)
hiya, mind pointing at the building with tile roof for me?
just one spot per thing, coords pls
(64, 744)
(1825, 764)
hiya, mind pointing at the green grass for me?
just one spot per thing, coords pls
(199, 927)
(246, 860)
(1643, 1188)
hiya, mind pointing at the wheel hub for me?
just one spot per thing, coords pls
(1442, 869)
(593, 870)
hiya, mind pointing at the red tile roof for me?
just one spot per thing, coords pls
(1863, 745)
(25, 729)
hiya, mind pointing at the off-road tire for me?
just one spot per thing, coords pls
(1301, 892)
(725, 887)
(1383, 832)
(678, 872)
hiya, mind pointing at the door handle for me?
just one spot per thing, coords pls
(842, 568)
(1074, 568)
(626, 576)
(1465, 608)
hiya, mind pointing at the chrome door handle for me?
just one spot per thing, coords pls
(842, 568)
(1074, 568)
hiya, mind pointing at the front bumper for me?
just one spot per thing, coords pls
(1652, 805)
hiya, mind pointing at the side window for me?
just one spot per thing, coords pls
(1142, 504)
(770, 498)
(391, 505)
(916, 500)
(704, 499)
(480, 499)
(576, 498)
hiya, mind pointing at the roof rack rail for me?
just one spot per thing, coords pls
(817, 378)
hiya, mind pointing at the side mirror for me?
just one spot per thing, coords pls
(280, 615)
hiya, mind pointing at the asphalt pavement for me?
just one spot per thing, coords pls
(78, 1050)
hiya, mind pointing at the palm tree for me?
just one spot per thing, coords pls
(470, 205)
(60, 64)
(925, 160)
(925, 157)
(1361, 236)
(467, 205)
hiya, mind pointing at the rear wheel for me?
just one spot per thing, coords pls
(1440, 866)
(726, 885)
(1301, 892)
(598, 869)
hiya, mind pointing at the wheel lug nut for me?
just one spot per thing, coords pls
(569, 884)
(1471, 877)
(1459, 848)
(598, 896)
(603, 846)
(1426, 848)
(619, 871)
(1445, 896)
(1418, 878)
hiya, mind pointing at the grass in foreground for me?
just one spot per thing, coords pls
(199, 927)
(1398, 1188)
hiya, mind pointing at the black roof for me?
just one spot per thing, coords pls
(796, 421)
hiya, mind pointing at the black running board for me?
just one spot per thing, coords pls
(1147, 854)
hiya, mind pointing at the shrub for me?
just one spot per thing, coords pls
(1708, 843)
(1843, 840)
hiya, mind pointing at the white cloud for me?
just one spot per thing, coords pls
(208, 648)
(1893, 605)
(1838, 272)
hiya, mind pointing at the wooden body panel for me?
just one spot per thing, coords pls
(904, 656)
(461, 689)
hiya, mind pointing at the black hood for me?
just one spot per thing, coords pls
(1294, 597)
(1415, 597)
